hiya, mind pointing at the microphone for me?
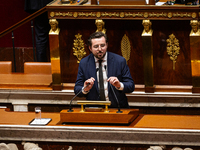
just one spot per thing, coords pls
(119, 111)
(70, 105)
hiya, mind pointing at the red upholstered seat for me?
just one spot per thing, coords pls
(37, 67)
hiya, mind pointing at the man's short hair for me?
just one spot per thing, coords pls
(96, 35)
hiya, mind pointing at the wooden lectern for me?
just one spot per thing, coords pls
(98, 116)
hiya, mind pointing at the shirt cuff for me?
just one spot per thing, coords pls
(121, 87)
(84, 92)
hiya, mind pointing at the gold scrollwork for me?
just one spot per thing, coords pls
(146, 14)
(78, 49)
(126, 47)
(182, 15)
(169, 15)
(68, 14)
(123, 14)
(98, 14)
(194, 15)
(75, 14)
(173, 48)
(52, 14)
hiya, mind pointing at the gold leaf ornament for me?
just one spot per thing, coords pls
(126, 47)
(173, 48)
(78, 49)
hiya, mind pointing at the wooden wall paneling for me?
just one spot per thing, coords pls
(128, 19)
(115, 31)
(163, 66)
(133, 29)
(70, 28)
(163, 70)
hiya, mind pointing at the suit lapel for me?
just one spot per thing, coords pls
(110, 66)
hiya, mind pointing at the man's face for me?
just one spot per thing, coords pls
(99, 47)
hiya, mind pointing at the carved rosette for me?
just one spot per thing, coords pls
(173, 48)
(126, 47)
(78, 49)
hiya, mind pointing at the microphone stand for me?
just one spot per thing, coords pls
(70, 105)
(119, 111)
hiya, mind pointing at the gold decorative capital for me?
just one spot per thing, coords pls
(54, 26)
(147, 28)
(195, 28)
(100, 25)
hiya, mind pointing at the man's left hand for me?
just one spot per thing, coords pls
(115, 82)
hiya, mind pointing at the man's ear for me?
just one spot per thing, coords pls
(89, 48)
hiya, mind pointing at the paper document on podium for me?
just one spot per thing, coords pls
(40, 122)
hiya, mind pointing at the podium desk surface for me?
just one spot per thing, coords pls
(24, 118)
(142, 121)
(145, 129)
(169, 122)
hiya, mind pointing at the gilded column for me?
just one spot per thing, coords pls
(147, 47)
(195, 55)
(55, 54)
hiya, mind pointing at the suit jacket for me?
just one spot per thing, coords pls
(116, 66)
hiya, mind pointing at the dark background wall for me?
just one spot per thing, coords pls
(11, 13)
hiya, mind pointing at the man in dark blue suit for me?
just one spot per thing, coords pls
(115, 71)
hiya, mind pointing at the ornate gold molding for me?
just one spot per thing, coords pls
(126, 47)
(78, 49)
(173, 48)
(168, 15)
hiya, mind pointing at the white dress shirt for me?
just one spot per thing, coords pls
(104, 70)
